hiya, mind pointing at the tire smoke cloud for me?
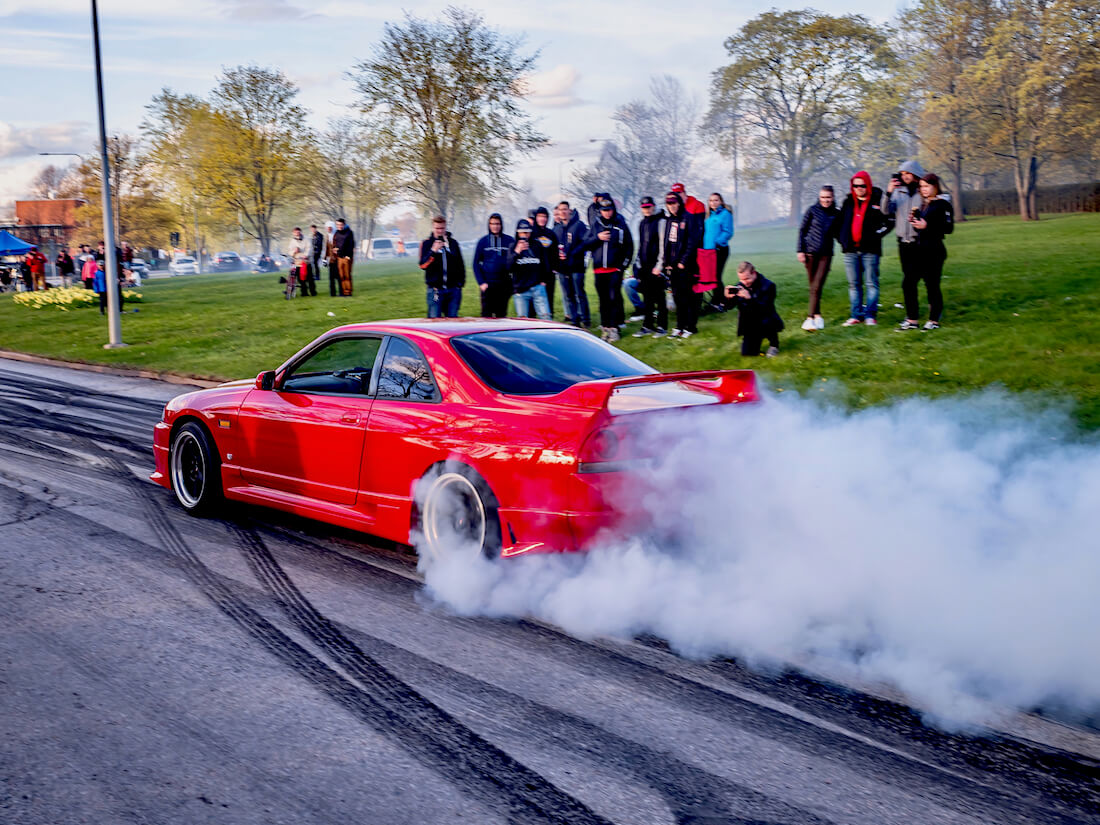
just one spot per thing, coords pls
(945, 548)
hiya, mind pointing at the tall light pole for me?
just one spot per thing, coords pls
(561, 186)
(114, 321)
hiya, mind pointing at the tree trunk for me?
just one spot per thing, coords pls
(796, 202)
(958, 193)
(1032, 179)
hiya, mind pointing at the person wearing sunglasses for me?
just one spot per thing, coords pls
(863, 224)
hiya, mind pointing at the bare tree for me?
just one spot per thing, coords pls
(50, 182)
(654, 145)
(447, 96)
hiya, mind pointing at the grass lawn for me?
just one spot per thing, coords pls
(1022, 307)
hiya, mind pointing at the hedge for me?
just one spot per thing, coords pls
(1071, 197)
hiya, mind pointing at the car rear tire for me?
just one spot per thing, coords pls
(195, 470)
(457, 515)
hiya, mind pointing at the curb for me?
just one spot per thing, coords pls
(122, 372)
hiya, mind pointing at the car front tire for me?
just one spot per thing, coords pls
(195, 470)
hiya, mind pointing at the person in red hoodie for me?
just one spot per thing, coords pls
(863, 224)
(37, 262)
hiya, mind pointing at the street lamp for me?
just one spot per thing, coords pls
(561, 186)
(114, 321)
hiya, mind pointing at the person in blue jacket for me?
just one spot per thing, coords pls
(717, 234)
(491, 269)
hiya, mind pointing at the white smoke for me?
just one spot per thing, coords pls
(947, 548)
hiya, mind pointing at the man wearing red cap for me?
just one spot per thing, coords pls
(693, 206)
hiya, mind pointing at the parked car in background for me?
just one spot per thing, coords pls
(382, 249)
(226, 262)
(184, 266)
(138, 269)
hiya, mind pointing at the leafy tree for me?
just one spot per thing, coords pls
(654, 145)
(799, 81)
(239, 153)
(445, 96)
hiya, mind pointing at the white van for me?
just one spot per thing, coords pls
(382, 249)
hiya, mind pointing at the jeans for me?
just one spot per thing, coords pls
(862, 271)
(631, 286)
(536, 296)
(443, 302)
(574, 298)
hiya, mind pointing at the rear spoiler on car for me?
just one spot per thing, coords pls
(662, 390)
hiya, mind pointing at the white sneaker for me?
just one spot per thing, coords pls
(819, 322)
(772, 352)
(635, 318)
(809, 325)
(685, 335)
(612, 335)
(932, 325)
(851, 322)
(871, 322)
(676, 333)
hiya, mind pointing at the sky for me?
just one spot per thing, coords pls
(592, 57)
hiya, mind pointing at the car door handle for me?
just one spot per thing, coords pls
(349, 418)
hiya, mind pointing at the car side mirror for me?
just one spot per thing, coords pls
(266, 380)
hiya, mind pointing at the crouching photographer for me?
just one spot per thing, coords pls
(757, 319)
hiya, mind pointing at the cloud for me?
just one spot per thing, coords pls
(263, 10)
(554, 88)
(65, 136)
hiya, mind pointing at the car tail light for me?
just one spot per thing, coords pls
(610, 449)
(602, 445)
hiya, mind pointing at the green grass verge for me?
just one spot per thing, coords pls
(1022, 303)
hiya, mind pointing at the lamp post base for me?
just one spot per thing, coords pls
(119, 345)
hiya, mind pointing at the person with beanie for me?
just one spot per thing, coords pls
(528, 271)
(612, 248)
(903, 193)
(680, 240)
(647, 269)
(863, 223)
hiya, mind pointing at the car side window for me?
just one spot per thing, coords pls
(342, 367)
(405, 374)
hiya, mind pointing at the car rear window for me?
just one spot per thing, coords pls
(543, 361)
(383, 244)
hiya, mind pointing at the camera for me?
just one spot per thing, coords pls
(914, 214)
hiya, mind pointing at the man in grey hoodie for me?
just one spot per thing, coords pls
(903, 195)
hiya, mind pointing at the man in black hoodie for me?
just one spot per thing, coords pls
(757, 317)
(546, 243)
(491, 269)
(444, 271)
(612, 247)
(570, 231)
(648, 272)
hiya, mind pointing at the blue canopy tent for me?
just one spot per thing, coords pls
(11, 245)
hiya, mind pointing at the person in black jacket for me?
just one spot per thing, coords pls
(570, 231)
(863, 224)
(543, 236)
(934, 219)
(682, 236)
(594, 207)
(612, 247)
(528, 270)
(444, 271)
(316, 249)
(491, 269)
(647, 269)
(815, 250)
(343, 252)
(757, 318)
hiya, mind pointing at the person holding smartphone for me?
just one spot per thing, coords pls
(931, 221)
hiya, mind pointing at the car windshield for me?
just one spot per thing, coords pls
(185, 260)
(383, 245)
(543, 361)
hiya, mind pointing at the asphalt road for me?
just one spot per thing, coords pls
(156, 668)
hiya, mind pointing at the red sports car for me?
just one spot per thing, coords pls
(511, 435)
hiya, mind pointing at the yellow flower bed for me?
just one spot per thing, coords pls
(68, 297)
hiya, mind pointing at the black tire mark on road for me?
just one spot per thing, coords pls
(697, 788)
(476, 767)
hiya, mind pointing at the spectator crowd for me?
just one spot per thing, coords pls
(670, 269)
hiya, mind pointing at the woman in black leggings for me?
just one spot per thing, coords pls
(933, 220)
